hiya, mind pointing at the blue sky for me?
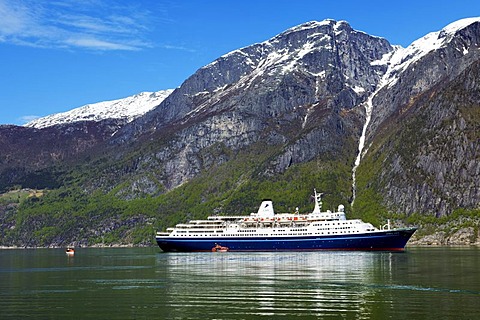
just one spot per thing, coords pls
(57, 55)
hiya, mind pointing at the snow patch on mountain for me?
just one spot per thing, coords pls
(127, 108)
(402, 58)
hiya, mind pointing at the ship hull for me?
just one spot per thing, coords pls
(388, 240)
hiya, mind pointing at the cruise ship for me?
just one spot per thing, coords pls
(267, 231)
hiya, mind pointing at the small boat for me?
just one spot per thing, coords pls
(70, 251)
(219, 248)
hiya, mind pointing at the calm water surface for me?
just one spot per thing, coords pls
(121, 283)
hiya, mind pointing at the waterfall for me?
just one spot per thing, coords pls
(361, 143)
(384, 81)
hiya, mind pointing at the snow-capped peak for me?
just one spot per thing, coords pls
(453, 27)
(127, 108)
(315, 24)
(435, 40)
(401, 58)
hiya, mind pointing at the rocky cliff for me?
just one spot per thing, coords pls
(425, 129)
(297, 91)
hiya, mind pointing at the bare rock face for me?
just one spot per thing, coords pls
(435, 239)
(309, 64)
(425, 129)
(296, 91)
(464, 236)
(477, 242)
(432, 158)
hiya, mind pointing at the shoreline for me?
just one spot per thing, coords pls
(476, 245)
(69, 246)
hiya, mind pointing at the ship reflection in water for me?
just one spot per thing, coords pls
(285, 284)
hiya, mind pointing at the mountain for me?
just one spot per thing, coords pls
(328, 53)
(296, 92)
(319, 67)
(127, 108)
(390, 132)
(61, 138)
(33, 158)
(425, 124)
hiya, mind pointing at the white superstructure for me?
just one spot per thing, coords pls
(265, 223)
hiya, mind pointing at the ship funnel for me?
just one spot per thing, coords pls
(266, 209)
(318, 202)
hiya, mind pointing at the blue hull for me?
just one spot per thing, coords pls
(391, 240)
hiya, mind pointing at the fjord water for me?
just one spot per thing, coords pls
(134, 283)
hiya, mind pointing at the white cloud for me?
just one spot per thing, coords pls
(94, 25)
(97, 44)
(181, 48)
(14, 18)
